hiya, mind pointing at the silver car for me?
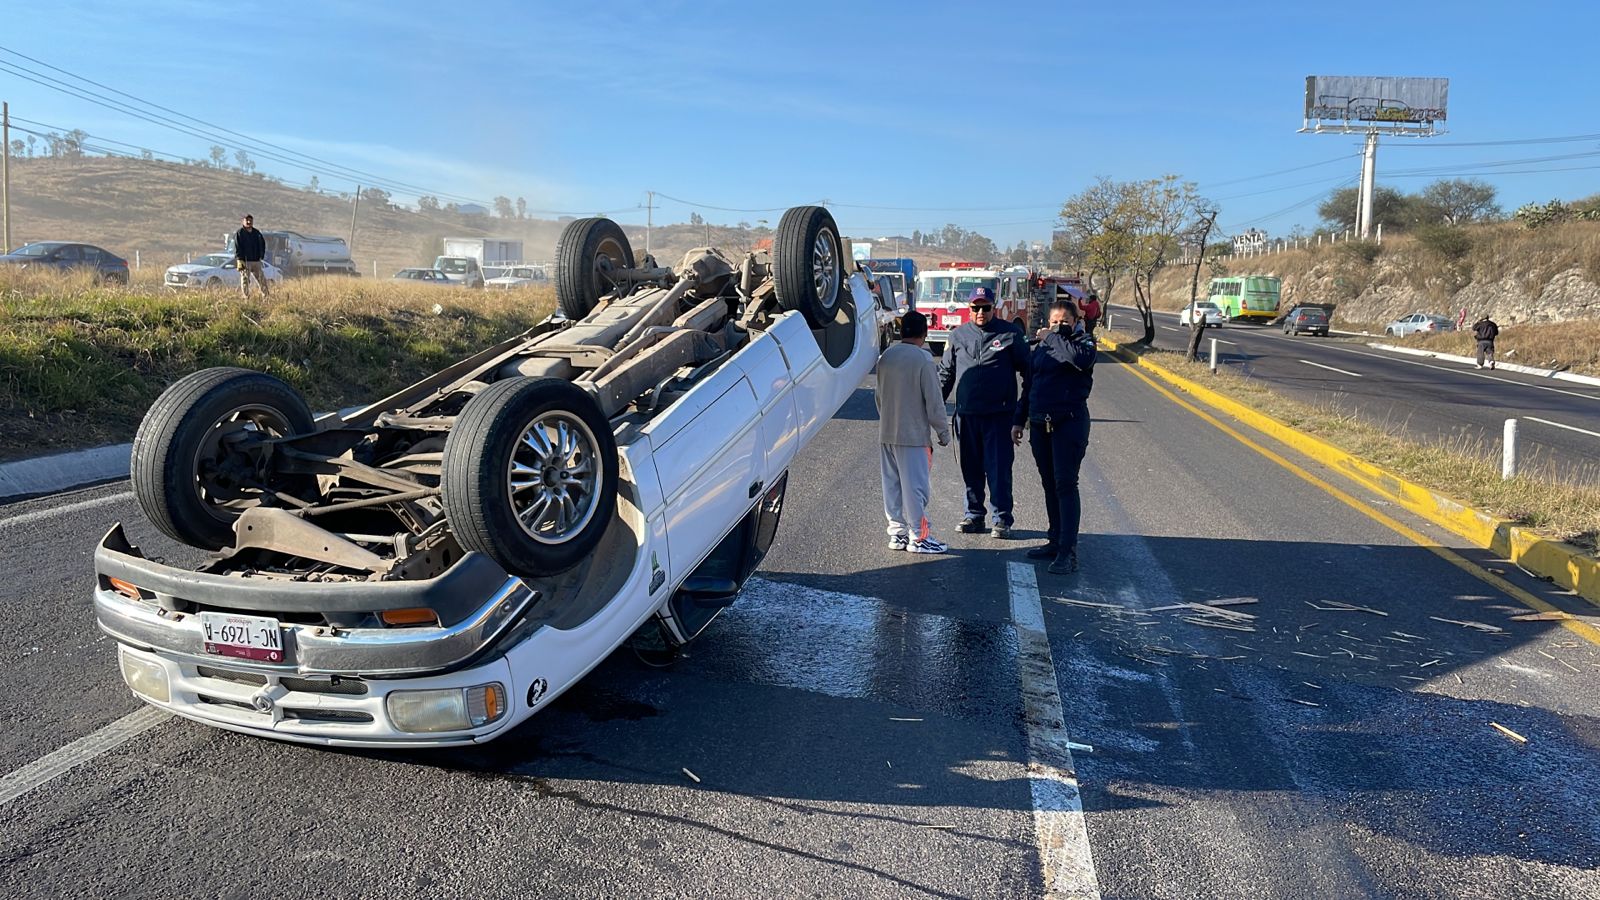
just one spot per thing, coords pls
(1419, 323)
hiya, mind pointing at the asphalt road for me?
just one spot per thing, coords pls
(1428, 398)
(861, 722)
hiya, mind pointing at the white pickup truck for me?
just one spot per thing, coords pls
(434, 568)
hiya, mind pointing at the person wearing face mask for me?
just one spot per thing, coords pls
(982, 361)
(1056, 410)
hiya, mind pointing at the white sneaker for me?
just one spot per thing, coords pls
(927, 545)
(898, 541)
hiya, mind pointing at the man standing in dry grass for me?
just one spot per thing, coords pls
(249, 249)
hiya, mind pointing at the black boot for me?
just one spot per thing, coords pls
(1047, 551)
(1065, 564)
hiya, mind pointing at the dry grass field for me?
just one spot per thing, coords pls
(80, 362)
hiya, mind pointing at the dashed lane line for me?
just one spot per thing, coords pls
(59, 762)
(1567, 427)
(40, 514)
(1331, 368)
(1060, 832)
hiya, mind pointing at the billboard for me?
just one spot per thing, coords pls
(1377, 99)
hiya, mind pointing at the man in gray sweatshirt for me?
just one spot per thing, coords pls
(910, 405)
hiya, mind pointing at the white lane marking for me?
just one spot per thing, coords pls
(1567, 427)
(1458, 371)
(1170, 328)
(78, 752)
(1331, 368)
(1060, 832)
(38, 514)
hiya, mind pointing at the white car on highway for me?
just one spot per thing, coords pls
(433, 568)
(214, 270)
(1214, 314)
(517, 277)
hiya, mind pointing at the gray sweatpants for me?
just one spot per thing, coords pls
(906, 489)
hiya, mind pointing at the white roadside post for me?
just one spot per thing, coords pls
(1508, 451)
(1213, 356)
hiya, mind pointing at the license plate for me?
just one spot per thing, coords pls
(246, 637)
(951, 321)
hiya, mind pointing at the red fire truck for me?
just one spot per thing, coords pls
(943, 292)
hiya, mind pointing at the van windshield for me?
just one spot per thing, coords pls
(453, 265)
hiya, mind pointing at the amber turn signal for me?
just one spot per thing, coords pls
(415, 615)
(123, 588)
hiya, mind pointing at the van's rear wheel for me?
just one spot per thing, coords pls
(808, 264)
(587, 254)
(530, 475)
(197, 457)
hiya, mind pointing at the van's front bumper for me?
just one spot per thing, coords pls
(477, 605)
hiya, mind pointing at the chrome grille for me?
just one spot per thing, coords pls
(235, 677)
(327, 715)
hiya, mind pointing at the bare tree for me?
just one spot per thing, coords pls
(503, 207)
(522, 208)
(244, 162)
(219, 155)
(1088, 239)
(1155, 214)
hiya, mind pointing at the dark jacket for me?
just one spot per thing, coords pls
(249, 245)
(982, 364)
(1062, 374)
(1486, 330)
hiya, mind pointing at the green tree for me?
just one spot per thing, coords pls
(1390, 208)
(428, 203)
(503, 207)
(219, 155)
(1457, 201)
(376, 196)
(315, 185)
(916, 236)
(244, 162)
(522, 208)
(696, 219)
(1087, 238)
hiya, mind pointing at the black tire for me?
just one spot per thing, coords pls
(213, 281)
(808, 264)
(588, 249)
(478, 496)
(176, 459)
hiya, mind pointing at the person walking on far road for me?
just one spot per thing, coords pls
(1461, 320)
(1056, 410)
(249, 249)
(1485, 331)
(910, 405)
(982, 361)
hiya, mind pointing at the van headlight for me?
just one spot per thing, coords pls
(146, 677)
(446, 709)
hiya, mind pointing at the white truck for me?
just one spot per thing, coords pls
(463, 259)
(299, 254)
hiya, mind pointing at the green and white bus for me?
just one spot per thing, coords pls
(1247, 296)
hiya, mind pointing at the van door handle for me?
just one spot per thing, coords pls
(755, 488)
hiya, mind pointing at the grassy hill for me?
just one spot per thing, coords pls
(166, 210)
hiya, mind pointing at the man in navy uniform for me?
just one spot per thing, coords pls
(984, 360)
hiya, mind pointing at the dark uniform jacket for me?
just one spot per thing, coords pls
(1485, 330)
(982, 364)
(1062, 376)
(249, 245)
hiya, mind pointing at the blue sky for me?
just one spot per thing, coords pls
(903, 116)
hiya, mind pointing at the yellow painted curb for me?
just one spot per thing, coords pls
(1568, 566)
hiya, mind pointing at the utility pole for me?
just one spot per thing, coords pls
(355, 204)
(649, 218)
(1369, 169)
(5, 173)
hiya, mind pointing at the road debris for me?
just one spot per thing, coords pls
(1229, 626)
(1554, 615)
(1337, 606)
(903, 719)
(1303, 702)
(1479, 626)
(1509, 733)
(1431, 662)
(1560, 660)
(1079, 748)
(692, 776)
(931, 825)
(1309, 684)
(1070, 601)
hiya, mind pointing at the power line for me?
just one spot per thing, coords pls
(343, 171)
(1345, 157)
(1567, 139)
